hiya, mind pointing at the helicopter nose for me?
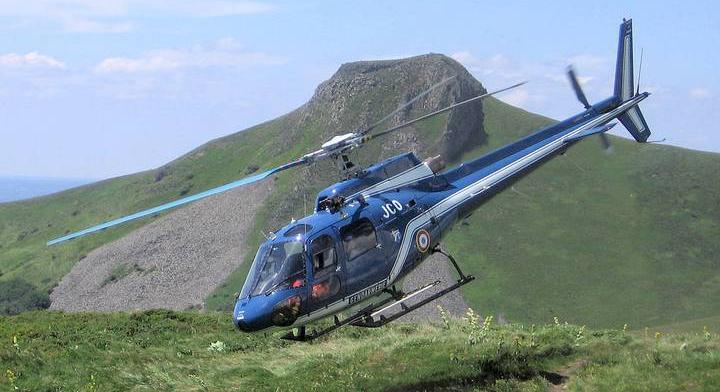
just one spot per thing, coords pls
(249, 317)
(241, 316)
(243, 326)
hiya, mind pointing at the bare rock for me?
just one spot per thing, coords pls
(174, 262)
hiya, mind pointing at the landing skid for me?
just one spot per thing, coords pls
(371, 316)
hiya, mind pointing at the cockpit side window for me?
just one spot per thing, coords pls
(323, 255)
(277, 266)
(358, 238)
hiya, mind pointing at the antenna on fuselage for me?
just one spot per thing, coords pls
(637, 92)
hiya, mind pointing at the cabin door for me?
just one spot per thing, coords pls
(366, 262)
(327, 275)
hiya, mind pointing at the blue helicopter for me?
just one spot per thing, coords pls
(373, 228)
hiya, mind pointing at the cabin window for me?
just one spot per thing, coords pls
(301, 228)
(323, 254)
(326, 288)
(358, 237)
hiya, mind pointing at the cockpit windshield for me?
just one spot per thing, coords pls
(276, 266)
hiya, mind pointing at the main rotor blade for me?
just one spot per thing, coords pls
(408, 103)
(443, 110)
(176, 203)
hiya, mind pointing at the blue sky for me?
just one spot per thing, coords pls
(95, 89)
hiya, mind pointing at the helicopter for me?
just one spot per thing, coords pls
(371, 229)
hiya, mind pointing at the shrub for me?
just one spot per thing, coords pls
(17, 296)
(160, 174)
(251, 169)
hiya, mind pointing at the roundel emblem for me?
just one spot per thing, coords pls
(422, 240)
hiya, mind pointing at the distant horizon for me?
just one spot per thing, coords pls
(18, 188)
(100, 90)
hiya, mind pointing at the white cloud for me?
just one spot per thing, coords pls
(590, 61)
(30, 60)
(518, 97)
(700, 93)
(496, 64)
(84, 25)
(110, 8)
(549, 90)
(115, 16)
(226, 52)
(213, 8)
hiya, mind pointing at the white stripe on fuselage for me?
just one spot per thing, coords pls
(412, 175)
(485, 183)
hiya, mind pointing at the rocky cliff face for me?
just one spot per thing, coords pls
(177, 261)
(358, 92)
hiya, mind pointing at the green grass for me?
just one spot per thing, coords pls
(711, 324)
(163, 350)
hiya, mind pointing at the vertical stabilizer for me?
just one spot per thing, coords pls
(632, 119)
(624, 84)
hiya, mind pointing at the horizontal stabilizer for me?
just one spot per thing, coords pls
(634, 121)
(590, 132)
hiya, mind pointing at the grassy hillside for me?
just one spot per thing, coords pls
(598, 239)
(26, 226)
(162, 350)
(603, 239)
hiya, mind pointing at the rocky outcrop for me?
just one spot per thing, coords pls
(174, 262)
(358, 90)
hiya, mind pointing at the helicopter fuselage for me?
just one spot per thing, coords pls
(387, 222)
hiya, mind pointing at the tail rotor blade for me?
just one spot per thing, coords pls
(605, 141)
(408, 103)
(576, 86)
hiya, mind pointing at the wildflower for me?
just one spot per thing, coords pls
(580, 335)
(471, 318)
(217, 346)
(12, 377)
(444, 317)
(487, 323)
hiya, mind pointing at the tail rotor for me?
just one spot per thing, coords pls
(575, 83)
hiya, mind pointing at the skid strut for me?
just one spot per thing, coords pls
(372, 322)
(371, 316)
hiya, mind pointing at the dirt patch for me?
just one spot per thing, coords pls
(559, 378)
